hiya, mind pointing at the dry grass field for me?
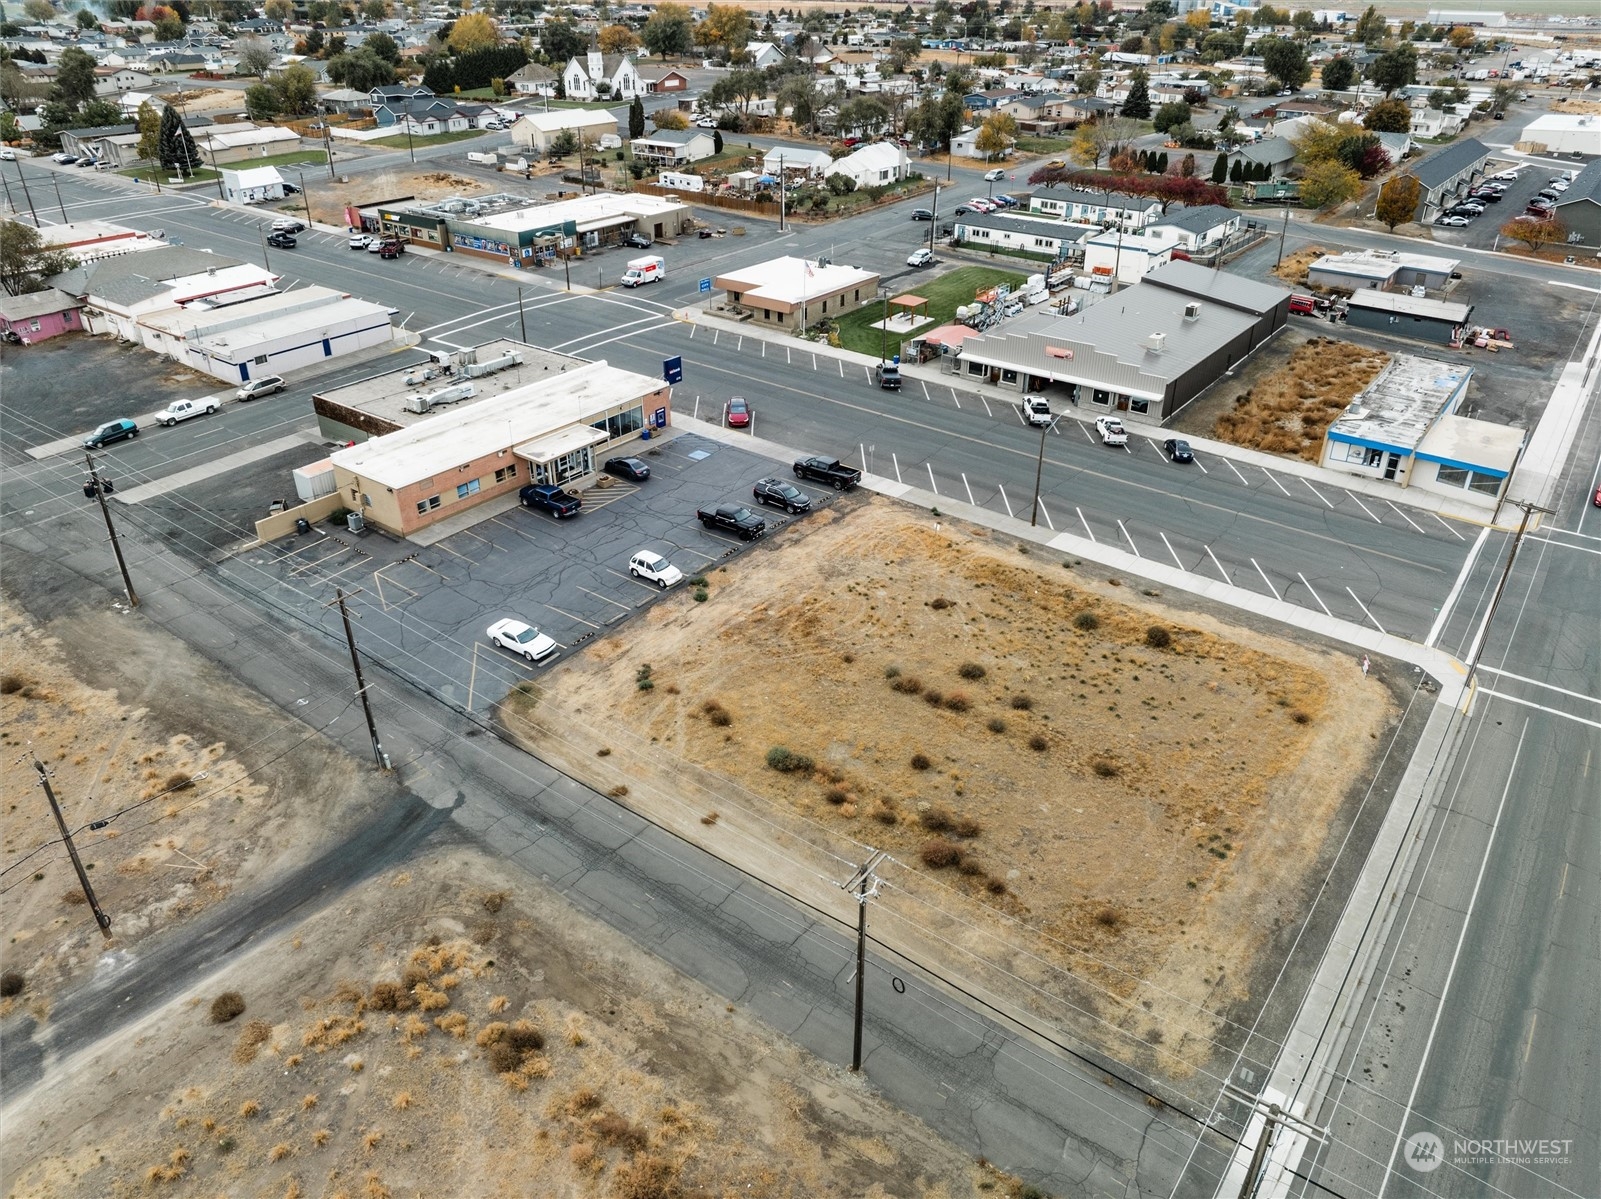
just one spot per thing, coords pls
(1289, 410)
(1296, 263)
(1081, 788)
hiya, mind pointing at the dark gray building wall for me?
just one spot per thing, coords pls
(1400, 324)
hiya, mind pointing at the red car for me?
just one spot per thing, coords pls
(738, 414)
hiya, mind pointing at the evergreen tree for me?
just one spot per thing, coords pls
(178, 152)
(1161, 163)
(1220, 168)
(1237, 171)
(717, 141)
(636, 118)
(1138, 104)
(1263, 172)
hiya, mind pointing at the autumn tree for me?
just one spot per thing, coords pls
(149, 122)
(996, 134)
(278, 10)
(670, 31)
(1461, 38)
(255, 55)
(1389, 116)
(669, 118)
(1398, 200)
(1328, 184)
(1371, 28)
(616, 39)
(726, 27)
(1534, 233)
(473, 31)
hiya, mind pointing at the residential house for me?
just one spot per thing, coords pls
(792, 160)
(252, 185)
(428, 115)
(1200, 229)
(672, 148)
(1045, 239)
(395, 93)
(1277, 152)
(1433, 123)
(965, 145)
(1039, 112)
(533, 80)
(1579, 208)
(119, 289)
(602, 76)
(763, 55)
(40, 314)
(345, 99)
(539, 130)
(114, 81)
(1133, 213)
(874, 164)
(1445, 175)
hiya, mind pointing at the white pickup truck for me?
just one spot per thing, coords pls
(183, 409)
(1111, 431)
(1037, 411)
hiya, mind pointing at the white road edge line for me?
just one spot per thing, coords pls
(1267, 580)
(1314, 594)
(1088, 532)
(1456, 589)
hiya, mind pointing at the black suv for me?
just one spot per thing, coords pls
(828, 470)
(782, 494)
(922, 214)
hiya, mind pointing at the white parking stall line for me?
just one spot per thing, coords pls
(1365, 611)
(696, 413)
(607, 598)
(789, 359)
(1004, 500)
(956, 400)
(571, 616)
(1276, 483)
(924, 386)
(1219, 565)
(1267, 580)
(1124, 530)
(1199, 467)
(1018, 412)
(897, 463)
(1085, 429)
(715, 332)
(1170, 549)
(932, 486)
(841, 362)
(1314, 594)
(969, 487)
(1320, 495)
(692, 331)
(1236, 471)
(1365, 508)
(867, 371)
(952, 390)
(1046, 514)
(986, 404)
(1088, 532)
(1449, 529)
(1406, 518)
(814, 361)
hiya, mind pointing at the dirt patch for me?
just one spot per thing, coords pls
(1588, 108)
(1298, 263)
(414, 1035)
(1103, 800)
(189, 813)
(1288, 410)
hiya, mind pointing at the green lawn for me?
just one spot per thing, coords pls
(206, 174)
(401, 142)
(1044, 145)
(164, 176)
(944, 293)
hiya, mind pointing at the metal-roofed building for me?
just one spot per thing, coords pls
(553, 429)
(1093, 207)
(1403, 428)
(1146, 351)
(1579, 208)
(1446, 174)
(1201, 227)
(1043, 236)
(1382, 270)
(512, 228)
(1442, 321)
(1267, 305)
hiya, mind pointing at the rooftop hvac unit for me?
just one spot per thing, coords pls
(1155, 342)
(418, 376)
(418, 403)
(1192, 312)
(504, 362)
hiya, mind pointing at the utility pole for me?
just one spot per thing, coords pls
(378, 755)
(1273, 1116)
(1039, 473)
(522, 321)
(99, 488)
(1283, 229)
(305, 198)
(783, 196)
(27, 195)
(103, 920)
(933, 220)
(56, 179)
(1529, 508)
(864, 885)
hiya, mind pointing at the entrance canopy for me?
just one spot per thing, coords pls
(552, 446)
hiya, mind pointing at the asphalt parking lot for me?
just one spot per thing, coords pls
(1483, 231)
(423, 611)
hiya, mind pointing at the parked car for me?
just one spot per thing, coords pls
(551, 499)
(1453, 222)
(781, 493)
(87, 162)
(375, 245)
(922, 214)
(287, 225)
(639, 241)
(1037, 411)
(358, 241)
(180, 410)
(651, 566)
(980, 204)
(628, 468)
(1006, 201)
(994, 176)
(392, 249)
(291, 189)
(738, 414)
(888, 376)
(828, 470)
(64, 158)
(282, 241)
(522, 639)
(961, 210)
(921, 257)
(1056, 164)
(7, 154)
(111, 431)
(1178, 450)
(265, 386)
(733, 518)
(1111, 431)
(706, 123)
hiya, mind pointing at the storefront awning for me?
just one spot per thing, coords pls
(564, 441)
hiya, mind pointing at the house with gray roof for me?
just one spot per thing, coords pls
(1445, 175)
(1579, 208)
(1277, 152)
(1094, 208)
(1041, 237)
(120, 290)
(1201, 228)
(39, 314)
(672, 148)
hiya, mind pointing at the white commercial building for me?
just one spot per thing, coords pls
(252, 185)
(796, 292)
(537, 130)
(1126, 257)
(1563, 133)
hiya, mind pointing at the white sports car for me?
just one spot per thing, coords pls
(521, 639)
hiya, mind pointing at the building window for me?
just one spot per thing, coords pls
(622, 424)
(1143, 407)
(427, 505)
(506, 472)
(260, 360)
(1100, 397)
(1008, 376)
(976, 368)
(470, 487)
(1470, 480)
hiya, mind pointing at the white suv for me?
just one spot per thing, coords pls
(655, 568)
(264, 386)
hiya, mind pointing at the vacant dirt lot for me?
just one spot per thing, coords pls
(428, 1036)
(1102, 806)
(1288, 410)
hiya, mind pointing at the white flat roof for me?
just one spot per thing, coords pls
(1393, 301)
(239, 341)
(1403, 403)
(1381, 264)
(793, 281)
(524, 415)
(582, 211)
(1478, 444)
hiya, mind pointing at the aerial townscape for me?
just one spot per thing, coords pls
(956, 600)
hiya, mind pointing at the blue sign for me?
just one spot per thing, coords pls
(673, 370)
(705, 286)
(661, 418)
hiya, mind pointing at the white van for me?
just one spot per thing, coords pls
(644, 270)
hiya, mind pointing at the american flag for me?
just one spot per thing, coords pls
(808, 269)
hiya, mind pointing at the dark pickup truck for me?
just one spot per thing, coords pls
(733, 518)
(828, 470)
(554, 500)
